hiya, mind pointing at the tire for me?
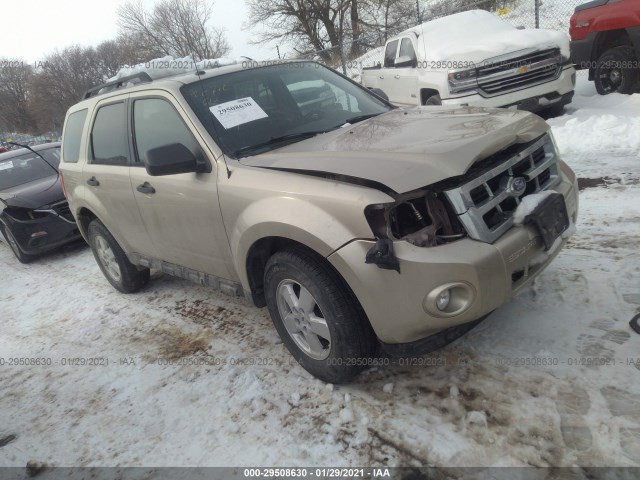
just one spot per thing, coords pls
(13, 244)
(433, 100)
(116, 267)
(322, 301)
(616, 71)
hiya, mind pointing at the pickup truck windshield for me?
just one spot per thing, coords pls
(259, 109)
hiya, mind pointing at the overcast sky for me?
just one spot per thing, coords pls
(33, 28)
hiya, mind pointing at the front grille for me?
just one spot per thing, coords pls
(62, 209)
(486, 202)
(502, 75)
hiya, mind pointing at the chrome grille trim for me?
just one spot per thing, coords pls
(507, 75)
(471, 215)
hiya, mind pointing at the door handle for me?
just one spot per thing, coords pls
(93, 182)
(146, 188)
(396, 76)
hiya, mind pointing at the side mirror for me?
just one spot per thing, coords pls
(170, 160)
(405, 61)
(379, 93)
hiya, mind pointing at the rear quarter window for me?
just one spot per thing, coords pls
(72, 136)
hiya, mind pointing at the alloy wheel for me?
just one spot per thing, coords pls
(303, 319)
(107, 258)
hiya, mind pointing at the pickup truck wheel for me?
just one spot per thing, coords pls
(433, 100)
(617, 71)
(116, 267)
(317, 317)
(22, 257)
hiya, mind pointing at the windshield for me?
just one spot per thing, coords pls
(27, 168)
(257, 110)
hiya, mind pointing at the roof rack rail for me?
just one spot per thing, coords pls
(143, 77)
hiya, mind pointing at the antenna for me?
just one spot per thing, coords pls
(32, 150)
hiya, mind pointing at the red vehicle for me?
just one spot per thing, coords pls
(605, 39)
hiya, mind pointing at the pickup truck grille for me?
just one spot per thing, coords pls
(503, 75)
(485, 203)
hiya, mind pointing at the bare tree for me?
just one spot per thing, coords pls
(382, 19)
(441, 8)
(324, 26)
(174, 27)
(61, 81)
(311, 25)
(15, 81)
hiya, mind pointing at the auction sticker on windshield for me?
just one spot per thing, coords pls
(6, 165)
(236, 112)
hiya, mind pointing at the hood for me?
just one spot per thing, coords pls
(407, 149)
(476, 35)
(33, 194)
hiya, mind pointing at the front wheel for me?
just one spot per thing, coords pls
(617, 71)
(116, 267)
(317, 316)
(433, 100)
(13, 243)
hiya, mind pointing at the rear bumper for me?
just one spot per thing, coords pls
(396, 303)
(539, 97)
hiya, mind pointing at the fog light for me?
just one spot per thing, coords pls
(449, 299)
(442, 302)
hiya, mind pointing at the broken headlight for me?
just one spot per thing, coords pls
(421, 219)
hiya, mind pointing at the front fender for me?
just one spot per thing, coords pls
(294, 219)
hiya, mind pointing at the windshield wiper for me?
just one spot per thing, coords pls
(279, 139)
(360, 118)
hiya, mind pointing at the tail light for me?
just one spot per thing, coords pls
(64, 189)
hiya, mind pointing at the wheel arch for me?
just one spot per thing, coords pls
(609, 39)
(84, 217)
(260, 252)
(425, 93)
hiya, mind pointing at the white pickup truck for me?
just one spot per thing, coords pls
(474, 58)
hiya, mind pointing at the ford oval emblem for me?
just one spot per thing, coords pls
(517, 186)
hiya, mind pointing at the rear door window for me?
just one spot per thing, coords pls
(109, 142)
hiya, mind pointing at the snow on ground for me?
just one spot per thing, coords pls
(548, 379)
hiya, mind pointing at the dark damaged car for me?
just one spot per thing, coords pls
(34, 215)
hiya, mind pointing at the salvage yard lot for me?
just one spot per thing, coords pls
(181, 375)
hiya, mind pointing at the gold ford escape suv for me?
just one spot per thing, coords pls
(365, 229)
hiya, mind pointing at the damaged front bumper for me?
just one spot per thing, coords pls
(480, 276)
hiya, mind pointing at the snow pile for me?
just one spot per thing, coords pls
(168, 66)
(370, 59)
(604, 131)
(477, 35)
